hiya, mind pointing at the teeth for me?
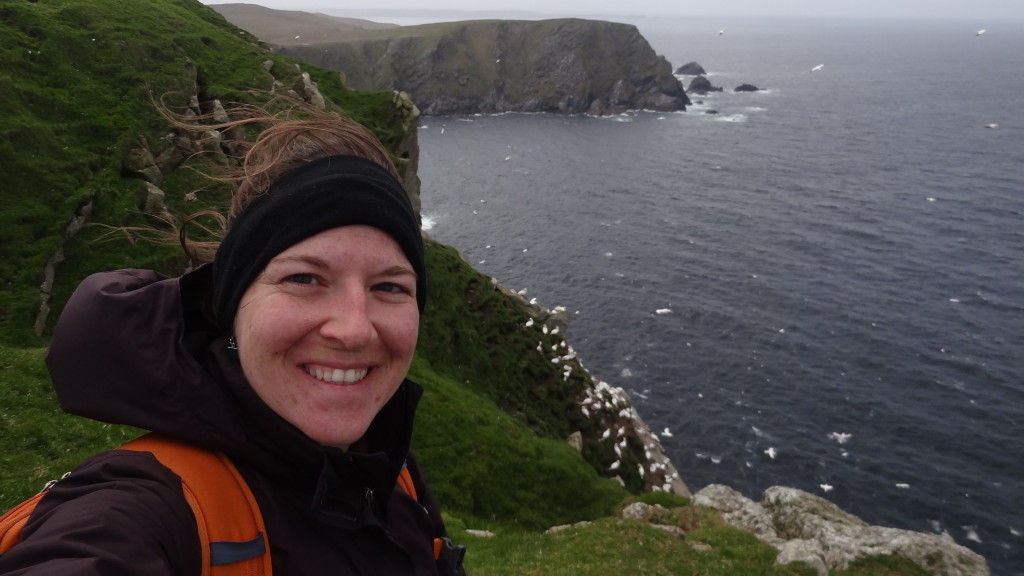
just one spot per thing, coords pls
(337, 376)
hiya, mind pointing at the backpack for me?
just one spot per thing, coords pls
(231, 543)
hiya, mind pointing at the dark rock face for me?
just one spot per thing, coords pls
(746, 88)
(691, 69)
(568, 66)
(701, 85)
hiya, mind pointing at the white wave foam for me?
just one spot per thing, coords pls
(971, 533)
(736, 118)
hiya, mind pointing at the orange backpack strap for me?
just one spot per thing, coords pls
(444, 549)
(14, 520)
(232, 535)
(405, 483)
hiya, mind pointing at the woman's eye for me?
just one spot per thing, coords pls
(301, 279)
(392, 288)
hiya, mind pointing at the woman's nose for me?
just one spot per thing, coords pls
(347, 320)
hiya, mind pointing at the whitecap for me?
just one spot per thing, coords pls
(735, 118)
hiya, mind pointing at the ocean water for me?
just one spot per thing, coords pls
(842, 255)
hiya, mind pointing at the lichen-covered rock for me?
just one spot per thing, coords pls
(807, 528)
(844, 537)
(641, 511)
(738, 510)
(807, 551)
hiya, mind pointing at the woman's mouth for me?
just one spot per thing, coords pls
(337, 375)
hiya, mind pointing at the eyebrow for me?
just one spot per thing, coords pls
(307, 259)
(399, 271)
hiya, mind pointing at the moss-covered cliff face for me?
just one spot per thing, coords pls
(80, 132)
(568, 66)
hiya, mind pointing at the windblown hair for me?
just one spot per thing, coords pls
(289, 138)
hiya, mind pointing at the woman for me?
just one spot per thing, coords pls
(288, 353)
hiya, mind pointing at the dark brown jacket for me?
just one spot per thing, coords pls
(132, 347)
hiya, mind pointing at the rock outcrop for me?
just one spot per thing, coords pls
(746, 88)
(701, 85)
(808, 528)
(569, 66)
(691, 69)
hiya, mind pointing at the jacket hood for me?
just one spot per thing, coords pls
(135, 347)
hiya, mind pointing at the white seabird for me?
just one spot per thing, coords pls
(840, 437)
(771, 452)
(818, 67)
(666, 432)
(825, 487)
(980, 32)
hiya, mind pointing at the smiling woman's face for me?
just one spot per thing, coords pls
(326, 333)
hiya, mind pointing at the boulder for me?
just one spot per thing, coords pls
(738, 510)
(746, 88)
(690, 69)
(845, 537)
(140, 163)
(642, 512)
(807, 551)
(807, 528)
(701, 85)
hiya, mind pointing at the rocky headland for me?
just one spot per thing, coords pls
(568, 66)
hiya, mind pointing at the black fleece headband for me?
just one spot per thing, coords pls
(326, 193)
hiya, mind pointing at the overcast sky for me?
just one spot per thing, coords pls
(972, 10)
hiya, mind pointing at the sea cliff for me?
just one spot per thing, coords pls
(568, 66)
